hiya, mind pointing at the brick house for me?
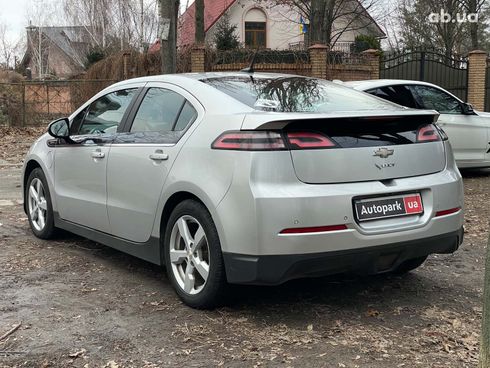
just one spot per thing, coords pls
(264, 24)
(59, 51)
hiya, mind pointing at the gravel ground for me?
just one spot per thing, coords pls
(81, 304)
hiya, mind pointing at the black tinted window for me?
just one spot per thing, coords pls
(400, 95)
(435, 99)
(295, 94)
(106, 113)
(158, 111)
(186, 117)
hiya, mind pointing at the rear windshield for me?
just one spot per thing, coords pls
(296, 94)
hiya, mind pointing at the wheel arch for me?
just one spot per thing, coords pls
(30, 166)
(178, 197)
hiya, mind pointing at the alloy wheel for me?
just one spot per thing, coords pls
(189, 254)
(37, 204)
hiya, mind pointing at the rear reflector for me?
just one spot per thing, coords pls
(249, 141)
(447, 212)
(308, 140)
(428, 133)
(315, 229)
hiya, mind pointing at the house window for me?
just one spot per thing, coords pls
(255, 29)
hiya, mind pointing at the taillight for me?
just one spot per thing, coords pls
(314, 229)
(428, 133)
(308, 140)
(249, 141)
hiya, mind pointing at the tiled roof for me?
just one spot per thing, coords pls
(213, 10)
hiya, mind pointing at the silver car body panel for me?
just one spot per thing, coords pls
(276, 200)
(251, 196)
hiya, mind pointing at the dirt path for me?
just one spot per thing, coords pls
(85, 305)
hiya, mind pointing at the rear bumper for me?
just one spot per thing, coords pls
(276, 269)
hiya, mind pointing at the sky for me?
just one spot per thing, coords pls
(13, 13)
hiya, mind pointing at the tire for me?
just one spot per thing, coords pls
(40, 210)
(187, 262)
(409, 265)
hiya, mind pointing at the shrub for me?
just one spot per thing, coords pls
(365, 42)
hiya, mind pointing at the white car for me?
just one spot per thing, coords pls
(468, 130)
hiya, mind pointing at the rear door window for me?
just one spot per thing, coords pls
(158, 111)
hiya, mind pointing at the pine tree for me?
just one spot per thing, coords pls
(225, 37)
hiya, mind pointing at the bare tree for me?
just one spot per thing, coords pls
(42, 14)
(480, 8)
(115, 24)
(330, 19)
(443, 26)
(6, 47)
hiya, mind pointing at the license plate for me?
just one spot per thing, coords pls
(379, 208)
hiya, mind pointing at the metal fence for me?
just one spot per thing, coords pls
(36, 102)
(346, 58)
(449, 72)
(260, 56)
(345, 47)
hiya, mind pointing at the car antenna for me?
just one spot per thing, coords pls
(250, 68)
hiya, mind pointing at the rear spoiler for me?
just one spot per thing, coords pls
(260, 120)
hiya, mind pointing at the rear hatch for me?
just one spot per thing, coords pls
(355, 147)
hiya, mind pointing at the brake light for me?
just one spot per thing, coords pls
(428, 133)
(447, 212)
(308, 140)
(315, 229)
(249, 141)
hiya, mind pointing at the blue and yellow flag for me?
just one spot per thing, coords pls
(303, 26)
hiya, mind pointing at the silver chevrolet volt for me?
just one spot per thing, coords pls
(248, 178)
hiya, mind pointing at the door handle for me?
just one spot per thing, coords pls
(98, 154)
(158, 156)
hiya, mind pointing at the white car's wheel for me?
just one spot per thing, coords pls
(193, 256)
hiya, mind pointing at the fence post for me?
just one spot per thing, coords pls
(318, 60)
(198, 59)
(23, 86)
(372, 58)
(477, 65)
(126, 65)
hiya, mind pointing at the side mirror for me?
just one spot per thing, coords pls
(468, 109)
(60, 128)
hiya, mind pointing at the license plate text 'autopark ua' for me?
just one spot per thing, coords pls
(389, 207)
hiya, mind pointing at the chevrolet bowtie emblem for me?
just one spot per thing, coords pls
(383, 152)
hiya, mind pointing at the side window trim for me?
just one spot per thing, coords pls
(178, 114)
(130, 114)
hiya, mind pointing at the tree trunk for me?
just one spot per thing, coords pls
(200, 34)
(168, 37)
(485, 330)
(473, 9)
(317, 12)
